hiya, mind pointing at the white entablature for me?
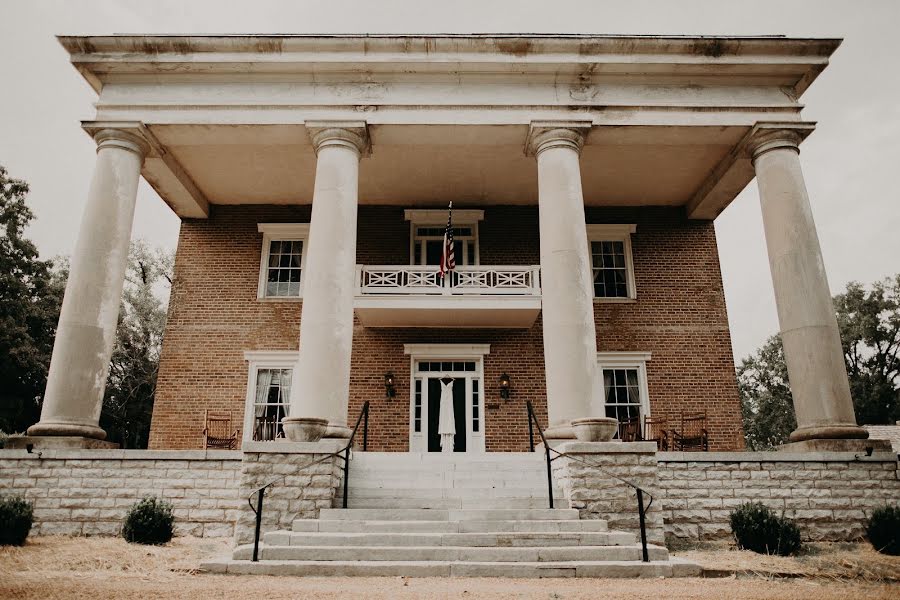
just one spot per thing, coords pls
(447, 116)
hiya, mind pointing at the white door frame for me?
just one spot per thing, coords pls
(475, 441)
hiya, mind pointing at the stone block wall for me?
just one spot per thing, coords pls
(305, 479)
(88, 492)
(828, 495)
(214, 316)
(591, 477)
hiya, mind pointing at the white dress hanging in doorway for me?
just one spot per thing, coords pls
(446, 424)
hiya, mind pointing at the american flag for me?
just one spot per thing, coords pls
(448, 256)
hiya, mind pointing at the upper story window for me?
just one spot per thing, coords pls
(427, 236)
(611, 262)
(282, 259)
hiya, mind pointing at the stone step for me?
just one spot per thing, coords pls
(357, 491)
(438, 480)
(357, 568)
(445, 526)
(395, 539)
(456, 458)
(451, 503)
(452, 553)
(461, 470)
(406, 514)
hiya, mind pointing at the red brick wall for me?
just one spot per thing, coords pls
(214, 316)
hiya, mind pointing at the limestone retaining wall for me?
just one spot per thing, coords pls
(829, 495)
(305, 479)
(89, 491)
(587, 475)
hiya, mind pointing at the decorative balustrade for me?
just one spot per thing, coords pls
(414, 280)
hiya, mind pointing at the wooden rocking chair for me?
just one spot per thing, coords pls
(267, 429)
(218, 432)
(655, 431)
(693, 434)
(630, 430)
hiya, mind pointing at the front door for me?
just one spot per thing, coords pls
(425, 403)
(459, 414)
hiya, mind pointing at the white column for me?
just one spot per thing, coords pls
(90, 310)
(570, 342)
(809, 330)
(321, 384)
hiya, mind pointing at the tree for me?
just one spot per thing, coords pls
(869, 323)
(766, 404)
(130, 388)
(870, 335)
(30, 299)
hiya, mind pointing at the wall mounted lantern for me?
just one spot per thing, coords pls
(504, 386)
(389, 389)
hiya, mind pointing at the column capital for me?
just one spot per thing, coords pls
(127, 135)
(349, 134)
(772, 136)
(119, 138)
(555, 134)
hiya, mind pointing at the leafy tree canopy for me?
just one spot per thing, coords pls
(31, 292)
(130, 388)
(30, 297)
(869, 322)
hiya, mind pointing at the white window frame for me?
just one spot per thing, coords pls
(438, 218)
(621, 360)
(285, 232)
(263, 359)
(614, 233)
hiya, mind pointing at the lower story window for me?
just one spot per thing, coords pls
(273, 391)
(623, 394)
(622, 387)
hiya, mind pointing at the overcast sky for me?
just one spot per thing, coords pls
(850, 163)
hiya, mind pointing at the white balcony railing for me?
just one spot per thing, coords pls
(415, 280)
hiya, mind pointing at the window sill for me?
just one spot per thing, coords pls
(279, 298)
(615, 300)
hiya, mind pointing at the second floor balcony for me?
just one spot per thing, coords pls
(505, 296)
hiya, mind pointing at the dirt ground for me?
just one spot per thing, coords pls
(101, 568)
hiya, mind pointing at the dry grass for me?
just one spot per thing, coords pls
(95, 568)
(843, 562)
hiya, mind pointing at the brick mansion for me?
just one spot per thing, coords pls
(312, 176)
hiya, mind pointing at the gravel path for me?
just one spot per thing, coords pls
(94, 568)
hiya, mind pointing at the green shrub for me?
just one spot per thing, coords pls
(883, 530)
(757, 528)
(16, 516)
(149, 521)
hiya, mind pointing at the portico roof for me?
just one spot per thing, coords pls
(448, 115)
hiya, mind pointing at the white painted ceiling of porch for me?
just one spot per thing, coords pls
(431, 165)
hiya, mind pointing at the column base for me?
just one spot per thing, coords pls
(837, 431)
(59, 442)
(856, 446)
(49, 428)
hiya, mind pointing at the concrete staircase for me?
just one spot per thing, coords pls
(458, 515)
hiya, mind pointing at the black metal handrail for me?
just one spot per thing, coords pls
(642, 510)
(343, 454)
(533, 418)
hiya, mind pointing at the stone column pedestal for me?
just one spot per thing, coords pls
(570, 343)
(809, 330)
(322, 376)
(87, 324)
(587, 476)
(305, 479)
